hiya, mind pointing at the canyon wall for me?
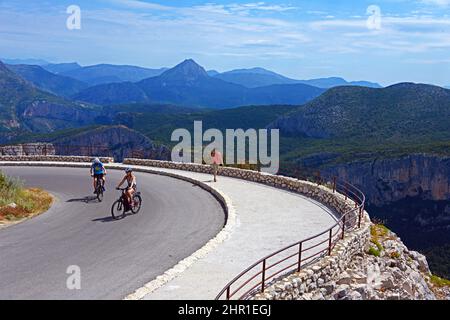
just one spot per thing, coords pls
(388, 180)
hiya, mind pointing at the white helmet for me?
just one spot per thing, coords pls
(96, 160)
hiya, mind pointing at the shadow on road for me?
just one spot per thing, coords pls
(87, 199)
(106, 219)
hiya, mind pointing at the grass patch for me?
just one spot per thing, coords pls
(374, 252)
(379, 246)
(377, 233)
(16, 202)
(439, 282)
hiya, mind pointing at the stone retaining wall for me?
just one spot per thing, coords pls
(54, 158)
(312, 190)
(314, 278)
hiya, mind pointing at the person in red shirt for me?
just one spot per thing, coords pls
(216, 161)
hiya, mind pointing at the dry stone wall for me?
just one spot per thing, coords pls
(53, 158)
(312, 190)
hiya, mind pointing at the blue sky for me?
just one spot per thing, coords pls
(300, 39)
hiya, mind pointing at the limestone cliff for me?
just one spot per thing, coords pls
(27, 149)
(411, 194)
(388, 180)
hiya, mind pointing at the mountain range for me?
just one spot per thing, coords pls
(48, 81)
(37, 62)
(108, 84)
(107, 73)
(58, 68)
(258, 77)
(25, 108)
(188, 84)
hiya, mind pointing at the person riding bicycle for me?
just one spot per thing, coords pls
(98, 171)
(130, 178)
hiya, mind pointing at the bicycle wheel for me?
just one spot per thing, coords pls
(137, 202)
(100, 193)
(117, 210)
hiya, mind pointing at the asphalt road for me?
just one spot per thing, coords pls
(115, 257)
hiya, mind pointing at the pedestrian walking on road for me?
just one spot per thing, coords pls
(216, 161)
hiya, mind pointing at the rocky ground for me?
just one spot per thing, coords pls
(387, 270)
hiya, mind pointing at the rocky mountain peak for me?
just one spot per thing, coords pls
(186, 70)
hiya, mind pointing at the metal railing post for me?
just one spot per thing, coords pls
(359, 217)
(299, 256)
(263, 283)
(343, 226)
(329, 241)
(334, 184)
(228, 293)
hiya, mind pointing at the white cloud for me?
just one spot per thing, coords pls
(439, 3)
(242, 9)
(137, 4)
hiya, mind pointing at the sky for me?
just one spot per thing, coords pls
(385, 41)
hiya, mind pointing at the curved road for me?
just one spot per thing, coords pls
(115, 256)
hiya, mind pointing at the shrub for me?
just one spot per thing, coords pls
(10, 189)
(28, 201)
(374, 252)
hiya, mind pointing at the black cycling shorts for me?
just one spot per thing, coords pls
(99, 176)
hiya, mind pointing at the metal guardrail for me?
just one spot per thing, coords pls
(296, 256)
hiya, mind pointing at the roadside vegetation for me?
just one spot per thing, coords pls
(378, 233)
(17, 202)
(439, 282)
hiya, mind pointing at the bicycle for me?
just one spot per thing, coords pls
(121, 206)
(99, 189)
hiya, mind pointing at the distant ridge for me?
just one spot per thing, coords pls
(257, 77)
(108, 73)
(61, 67)
(36, 62)
(25, 108)
(47, 81)
(350, 112)
(188, 84)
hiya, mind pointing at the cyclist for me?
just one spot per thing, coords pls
(130, 178)
(98, 171)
